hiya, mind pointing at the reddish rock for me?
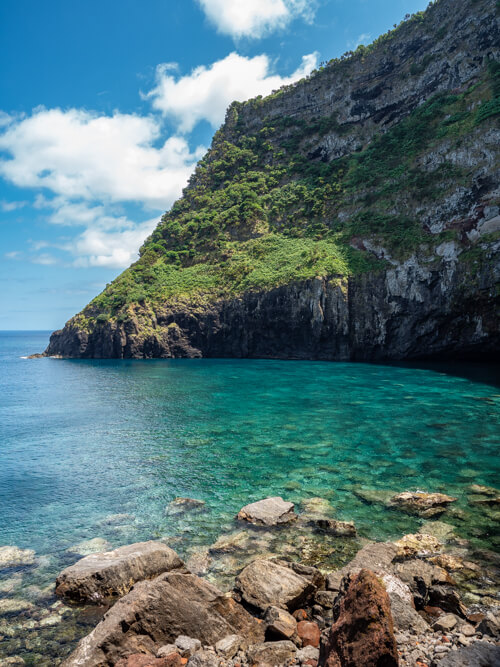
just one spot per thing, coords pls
(475, 618)
(300, 615)
(363, 633)
(309, 633)
(143, 660)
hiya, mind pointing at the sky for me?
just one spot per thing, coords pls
(105, 108)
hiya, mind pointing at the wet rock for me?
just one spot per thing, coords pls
(417, 545)
(445, 623)
(181, 505)
(421, 504)
(279, 623)
(93, 546)
(187, 646)
(264, 583)
(14, 606)
(352, 641)
(15, 557)
(232, 542)
(272, 654)
(156, 612)
(336, 528)
(478, 654)
(309, 633)
(268, 512)
(100, 576)
(229, 646)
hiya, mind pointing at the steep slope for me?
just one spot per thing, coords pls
(353, 215)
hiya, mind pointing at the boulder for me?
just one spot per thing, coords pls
(264, 583)
(279, 623)
(272, 654)
(420, 576)
(229, 646)
(98, 577)
(309, 633)
(268, 512)
(363, 632)
(336, 528)
(377, 557)
(416, 546)
(187, 646)
(421, 504)
(15, 557)
(156, 612)
(478, 654)
(404, 616)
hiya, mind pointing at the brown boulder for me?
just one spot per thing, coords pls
(156, 612)
(113, 573)
(363, 632)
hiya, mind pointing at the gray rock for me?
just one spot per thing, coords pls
(98, 577)
(377, 557)
(279, 623)
(445, 623)
(333, 581)
(156, 612)
(272, 654)
(187, 646)
(229, 646)
(307, 653)
(478, 654)
(204, 659)
(264, 583)
(167, 649)
(268, 512)
(489, 625)
(405, 617)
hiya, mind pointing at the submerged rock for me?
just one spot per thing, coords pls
(100, 576)
(336, 528)
(14, 606)
(442, 531)
(363, 633)
(264, 583)
(181, 505)
(156, 612)
(420, 503)
(232, 542)
(268, 512)
(93, 546)
(11, 556)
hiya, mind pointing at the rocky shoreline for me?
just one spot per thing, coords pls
(406, 602)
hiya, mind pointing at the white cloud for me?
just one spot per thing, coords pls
(255, 18)
(9, 206)
(206, 93)
(79, 154)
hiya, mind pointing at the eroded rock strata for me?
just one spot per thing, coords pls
(353, 215)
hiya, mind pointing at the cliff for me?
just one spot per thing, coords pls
(353, 215)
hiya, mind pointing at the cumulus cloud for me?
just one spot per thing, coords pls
(255, 18)
(206, 93)
(77, 153)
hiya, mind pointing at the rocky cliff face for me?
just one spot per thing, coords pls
(354, 215)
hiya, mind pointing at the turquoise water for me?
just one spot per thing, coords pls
(83, 440)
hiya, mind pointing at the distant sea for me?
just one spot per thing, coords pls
(82, 440)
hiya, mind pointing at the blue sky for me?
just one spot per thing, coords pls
(105, 108)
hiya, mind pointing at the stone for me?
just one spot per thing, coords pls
(93, 546)
(404, 616)
(14, 606)
(155, 612)
(98, 577)
(447, 599)
(376, 556)
(333, 581)
(490, 625)
(229, 646)
(317, 507)
(232, 542)
(417, 545)
(167, 649)
(374, 496)
(420, 503)
(15, 557)
(268, 512)
(199, 562)
(307, 653)
(264, 583)
(467, 630)
(448, 562)
(354, 641)
(394, 585)
(204, 659)
(336, 528)
(325, 598)
(272, 654)
(181, 505)
(187, 646)
(445, 623)
(142, 660)
(309, 633)
(478, 654)
(279, 623)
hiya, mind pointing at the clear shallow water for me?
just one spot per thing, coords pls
(82, 440)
